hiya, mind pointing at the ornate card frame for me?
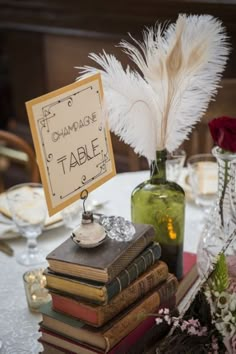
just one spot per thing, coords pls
(72, 141)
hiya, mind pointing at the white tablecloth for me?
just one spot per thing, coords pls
(18, 326)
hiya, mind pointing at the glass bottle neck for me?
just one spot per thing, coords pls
(158, 166)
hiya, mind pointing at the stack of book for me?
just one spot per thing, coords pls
(104, 299)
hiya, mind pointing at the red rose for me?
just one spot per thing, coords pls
(223, 131)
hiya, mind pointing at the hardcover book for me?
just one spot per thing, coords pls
(101, 263)
(97, 315)
(190, 275)
(54, 343)
(135, 342)
(49, 348)
(107, 336)
(102, 293)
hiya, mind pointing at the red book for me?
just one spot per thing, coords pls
(190, 260)
(189, 277)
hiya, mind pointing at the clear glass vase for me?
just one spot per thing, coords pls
(161, 203)
(221, 222)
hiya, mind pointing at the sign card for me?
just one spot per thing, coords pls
(72, 141)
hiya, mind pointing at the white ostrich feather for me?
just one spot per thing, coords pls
(181, 66)
(128, 95)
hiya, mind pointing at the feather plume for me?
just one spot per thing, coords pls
(181, 67)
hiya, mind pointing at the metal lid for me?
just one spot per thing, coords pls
(87, 217)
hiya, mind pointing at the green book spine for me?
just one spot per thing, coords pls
(140, 264)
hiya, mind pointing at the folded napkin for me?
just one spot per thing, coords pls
(4, 210)
(7, 228)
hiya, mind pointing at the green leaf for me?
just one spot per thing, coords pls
(219, 280)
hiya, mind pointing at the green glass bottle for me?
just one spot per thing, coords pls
(161, 203)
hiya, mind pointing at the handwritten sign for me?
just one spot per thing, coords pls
(72, 141)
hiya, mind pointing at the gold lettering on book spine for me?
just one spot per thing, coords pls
(128, 276)
(133, 252)
(144, 260)
(119, 282)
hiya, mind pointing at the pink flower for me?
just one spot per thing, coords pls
(203, 331)
(194, 323)
(230, 344)
(159, 320)
(192, 330)
(214, 344)
(193, 327)
(166, 311)
(167, 319)
(184, 326)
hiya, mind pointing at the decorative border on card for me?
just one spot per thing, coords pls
(45, 113)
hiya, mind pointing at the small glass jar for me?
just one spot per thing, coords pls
(35, 290)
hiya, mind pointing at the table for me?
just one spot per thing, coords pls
(18, 326)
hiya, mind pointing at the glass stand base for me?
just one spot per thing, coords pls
(29, 259)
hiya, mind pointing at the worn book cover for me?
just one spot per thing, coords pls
(107, 336)
(49, 348)
(101, 263)
(102, 293)
(57, 344)
(189, 277)
(97, 315)
(135, 342)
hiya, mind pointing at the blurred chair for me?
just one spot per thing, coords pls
(16, 151)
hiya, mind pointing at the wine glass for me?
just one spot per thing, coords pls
(202, 170)
(27, 206)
